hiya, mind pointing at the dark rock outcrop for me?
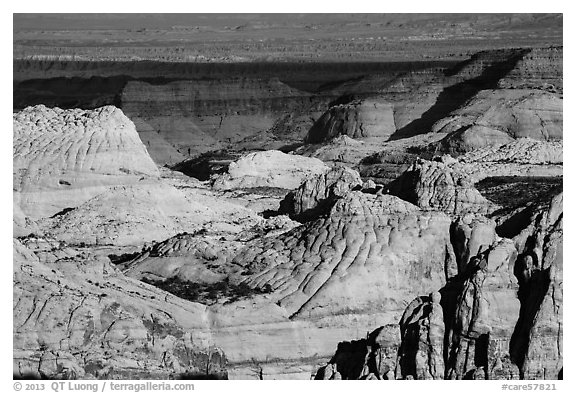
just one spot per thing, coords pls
(537, 341)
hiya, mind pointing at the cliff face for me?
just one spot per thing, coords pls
(452, 282)
(541, 68)
(490, 99)
(537, 341)
(198, 116)
(499, 315)
(498, 116)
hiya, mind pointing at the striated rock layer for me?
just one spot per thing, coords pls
(439, 186)
(498, 317)
(78, 317)
(84, 177)
(498, 116)
(370, 252)
(64, 157)
(186, 118)
(317, 194)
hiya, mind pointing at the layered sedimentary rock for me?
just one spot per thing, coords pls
(198, 259)
(539, 68)
(85, 177)
(447, 184)
(368, 253)
(269, 169)
(496, 116)
(357, 119)
(193, 117)
(136, 214)
(409, 104)
(440, 186)
(499, 315)
(64, 157)
(522, 157)
(462, 288)
(474, 105)
(77, 317)
(317, 194)
(391, 105)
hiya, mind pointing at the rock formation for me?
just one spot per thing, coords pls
(319, 193)
(537, 341)
(78, 317)
(496, 116)
(256, 264)
(64, 157)
(84, 177)
(422, 328)
(440, 186)
(368, 253)
(539, 68)
(357, 119)
(498, 317)
(186, 118)
(268, 169)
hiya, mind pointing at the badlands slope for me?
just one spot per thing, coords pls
(370, 255)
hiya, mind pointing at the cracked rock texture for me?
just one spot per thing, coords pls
(370, 252)
(440, 186)
(421, 266)
(319, 193)
(498, 317)
(78, 317)
(357, 119)
(64, 157)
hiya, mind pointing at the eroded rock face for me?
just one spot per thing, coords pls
(421, 353)
(464, 289)
(540, 68)
(440, 186)
(317, 194)
(521, 157)
(500, 314)
(481, 310)
(269, 169)
(370, 252)
(494, 117)
(358, 119)
(537, 342)
(64, 157)
(185, 118)
(373, 357)
(77, 317)
(85, 178)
